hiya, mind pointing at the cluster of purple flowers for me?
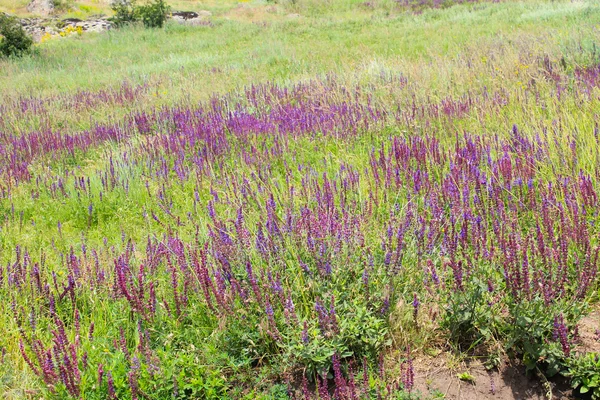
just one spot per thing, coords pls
(243, 225)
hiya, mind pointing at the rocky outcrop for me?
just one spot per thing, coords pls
(40, 27)
(94, 25)
(41, 7)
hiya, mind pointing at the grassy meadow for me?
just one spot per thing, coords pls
(305, 199)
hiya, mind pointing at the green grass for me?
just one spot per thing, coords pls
(285, 51)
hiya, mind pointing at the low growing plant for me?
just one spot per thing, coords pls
(584, 372)
(471, 318)
(542, 334)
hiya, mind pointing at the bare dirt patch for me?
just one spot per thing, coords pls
(440, 377)
(589, 333)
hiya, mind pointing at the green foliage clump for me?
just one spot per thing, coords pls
(584, 372)
(532, 333)
(471, 318)
(153, 14)
(14, 41)
(124, 13)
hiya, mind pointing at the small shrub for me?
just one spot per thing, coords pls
(124, 13)
(14, 41)
(153, 14)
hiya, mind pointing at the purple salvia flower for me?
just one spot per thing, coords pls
(100, 374)
(253, 283)
(77, 327)
(323, 389)
(416, 304)
(133, 385)
(91, 332)
(271, 318)
(261, 241)
(305, 338)
(385, 306)
(323, 316)
(32, 320)
(490, 286)
(388, 258)
(305, 391)
(27, 359)
(111, 386)
(304, 267)
(211, 210)
(340, 382)
(561, 334)
(290, 308)
(457, 270)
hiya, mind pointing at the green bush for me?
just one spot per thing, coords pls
(124, 13)
(14, 41)
(154, 14)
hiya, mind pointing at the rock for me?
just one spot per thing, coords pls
(184, 15)
(191, 17)
(293, 16)
(33, 27)
(96, 25)
(71, 21)
(41, 7)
